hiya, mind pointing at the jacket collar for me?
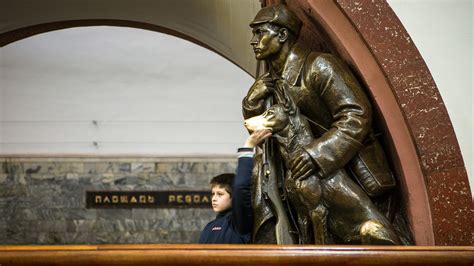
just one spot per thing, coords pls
(224, 213)
(294, 63)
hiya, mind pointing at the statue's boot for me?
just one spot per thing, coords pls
(373, 232)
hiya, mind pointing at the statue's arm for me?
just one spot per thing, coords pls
(350, 110)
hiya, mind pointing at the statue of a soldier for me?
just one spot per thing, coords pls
(327, 94)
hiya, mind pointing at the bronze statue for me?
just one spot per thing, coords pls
(321, 120)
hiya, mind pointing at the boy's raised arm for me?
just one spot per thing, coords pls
(242, 214)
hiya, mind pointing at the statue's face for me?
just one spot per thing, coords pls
(265, 41)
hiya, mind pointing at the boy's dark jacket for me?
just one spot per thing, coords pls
(234, 226)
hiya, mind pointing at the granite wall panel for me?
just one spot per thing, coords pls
(42, 200)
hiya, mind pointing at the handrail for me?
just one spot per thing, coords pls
(193, 254)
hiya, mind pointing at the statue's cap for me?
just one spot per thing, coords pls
(279, 15)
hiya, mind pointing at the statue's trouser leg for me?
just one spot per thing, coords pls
(351, 214)
(304, 226)
(318, 218)
(305, 197)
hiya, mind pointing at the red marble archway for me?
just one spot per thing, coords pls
(421, 140)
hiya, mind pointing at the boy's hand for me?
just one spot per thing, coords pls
(257, 137)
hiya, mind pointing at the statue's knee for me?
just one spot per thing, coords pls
(374, 232)
(306, 192)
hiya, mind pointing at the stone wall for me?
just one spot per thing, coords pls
(42, 200)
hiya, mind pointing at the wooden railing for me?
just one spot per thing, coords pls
(234, 255)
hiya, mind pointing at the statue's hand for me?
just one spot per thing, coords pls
(261, 89)
(302, 165)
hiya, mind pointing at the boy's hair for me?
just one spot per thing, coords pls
(223, 180)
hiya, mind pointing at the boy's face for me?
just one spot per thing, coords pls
(221, 200)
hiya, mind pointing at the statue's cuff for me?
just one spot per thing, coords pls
(252, 107)
(317, 168)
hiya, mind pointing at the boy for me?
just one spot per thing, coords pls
(231, 199)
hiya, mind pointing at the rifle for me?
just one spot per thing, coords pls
(270, 172)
